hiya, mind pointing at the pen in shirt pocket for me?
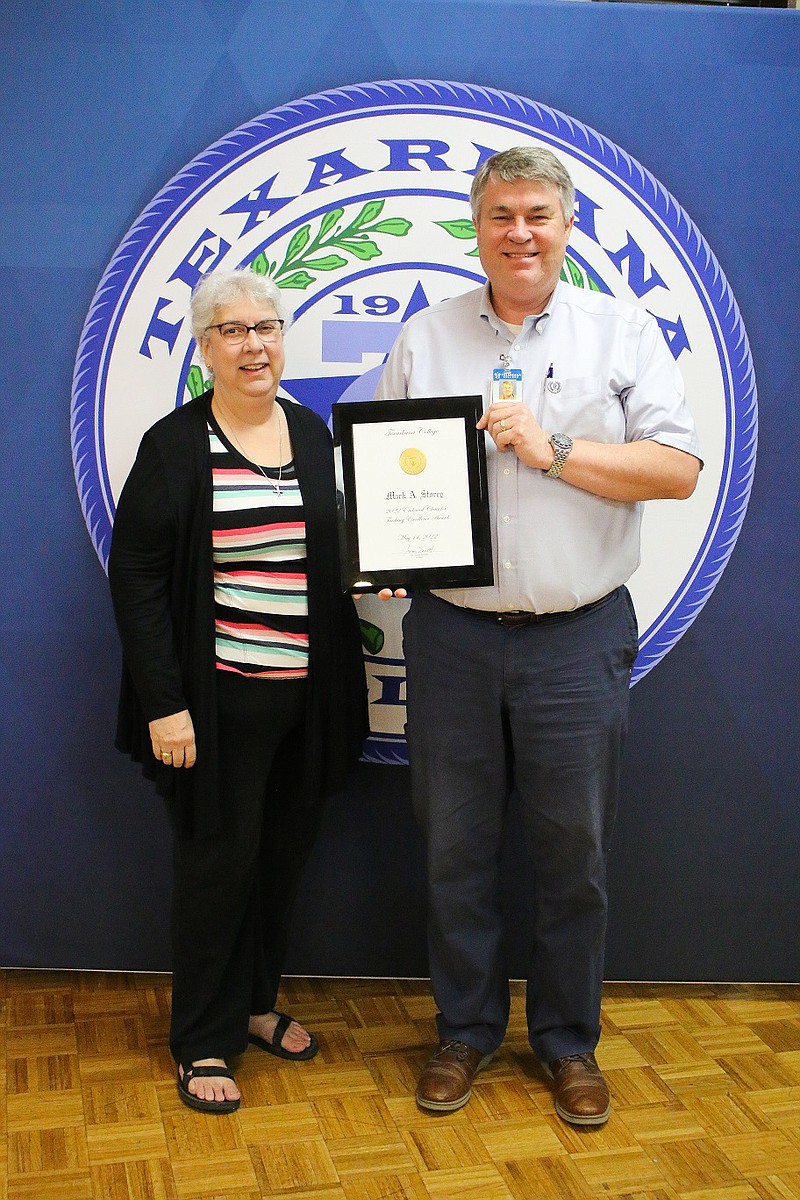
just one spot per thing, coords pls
(550, 382)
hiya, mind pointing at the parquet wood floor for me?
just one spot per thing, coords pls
(705, 1085)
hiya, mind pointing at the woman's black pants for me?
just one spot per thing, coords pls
(232, 893)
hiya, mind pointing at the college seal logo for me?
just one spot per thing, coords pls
(355, 202)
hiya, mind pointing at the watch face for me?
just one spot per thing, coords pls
(561, 441)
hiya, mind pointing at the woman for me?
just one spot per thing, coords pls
(243, 691)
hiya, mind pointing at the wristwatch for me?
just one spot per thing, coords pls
(562, 444)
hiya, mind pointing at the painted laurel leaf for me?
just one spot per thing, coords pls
(372, 637)
(299, 242)
(329, 263)
(458, 229)
(195, 382)
(396, 226)
(363, 250)
(299, 279)
(575, 273)
(329, 220)
(369, 212)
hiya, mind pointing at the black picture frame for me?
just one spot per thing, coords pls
(466, 508)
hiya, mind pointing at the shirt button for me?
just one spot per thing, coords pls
(506, 518)
(507, 564)
(517, 347)
(506, 470)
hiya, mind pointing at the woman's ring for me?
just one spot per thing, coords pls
(503, 426)
(166, 755)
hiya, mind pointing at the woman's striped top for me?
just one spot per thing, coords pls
(259, 546)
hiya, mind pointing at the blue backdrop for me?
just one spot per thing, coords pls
(99, 109)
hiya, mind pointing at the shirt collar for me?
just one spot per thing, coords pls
(539, 322)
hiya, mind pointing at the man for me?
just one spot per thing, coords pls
(524, 685)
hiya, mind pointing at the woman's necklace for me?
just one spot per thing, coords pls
(276, 483)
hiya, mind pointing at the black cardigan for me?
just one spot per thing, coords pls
(161, 575)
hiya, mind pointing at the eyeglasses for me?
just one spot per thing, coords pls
(235, 332)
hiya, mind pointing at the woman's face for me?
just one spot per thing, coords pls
(251, 369)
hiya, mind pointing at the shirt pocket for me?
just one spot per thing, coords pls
(583, 407)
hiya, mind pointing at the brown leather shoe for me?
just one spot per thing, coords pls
(446, 1081)
(581, 1092)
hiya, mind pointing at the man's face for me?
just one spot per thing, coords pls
(522, 238)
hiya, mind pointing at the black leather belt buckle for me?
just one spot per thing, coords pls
(515, 618)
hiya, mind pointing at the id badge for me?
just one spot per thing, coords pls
(506, 385)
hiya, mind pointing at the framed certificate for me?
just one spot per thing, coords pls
(416, 505)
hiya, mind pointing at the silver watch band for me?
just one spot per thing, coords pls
(562, 445)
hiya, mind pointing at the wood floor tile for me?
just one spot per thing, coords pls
(546, 1179)
(631, 1088)
(779, 1106)
(617, 1053)
(779, 1035)
(278, 1123)
(380, 1039)
(694, 1077)
(445, 1145)
(41, 1041)
(49, 1007)
(44, 1151)
(45, 1073)
(638, 1013)
(45, 1110)
(662, 1123)
(734, 1191)
(521, 1138)
(759, 1154)
(104, 1035)
(778, 1187)
(695, 1012)
(395, 1074)
(354, 1116)
(696, 1163)
(754, 1007)
(669, 1046)
(371, 1154)
(229, 1174)
(725, 1041)
(726, 1115)
(337, 1044)
(386, 1186)
(133, 1180)
(293, 1165)
(499, 1100)
(322, 1081)
(119, 1142)
(277, 1086)
(56, 1185)
(470, 1183)
(323, 1193)
(756, 1072)
(620, 1171)
(196, 1135)
(120, 1101)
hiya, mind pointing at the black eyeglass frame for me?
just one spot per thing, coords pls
(247, 328)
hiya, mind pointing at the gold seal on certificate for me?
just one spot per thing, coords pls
(413, 461)
(413, 501)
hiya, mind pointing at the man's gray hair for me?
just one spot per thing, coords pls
(524, 162)
(224, 286)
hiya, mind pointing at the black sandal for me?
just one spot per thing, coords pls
(275, 1047)
(188, 1098)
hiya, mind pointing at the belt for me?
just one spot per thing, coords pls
(532, 618)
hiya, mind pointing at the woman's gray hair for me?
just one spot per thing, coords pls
(219, 288)
(524, 162)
